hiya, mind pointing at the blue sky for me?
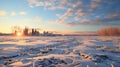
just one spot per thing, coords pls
(59, 15)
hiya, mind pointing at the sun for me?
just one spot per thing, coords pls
(19, 34)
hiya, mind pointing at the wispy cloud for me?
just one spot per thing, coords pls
(81, 12)
(48, 4)
(22, 13)
(2, 13)
(13, 13)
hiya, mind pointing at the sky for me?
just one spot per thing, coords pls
(64, 16)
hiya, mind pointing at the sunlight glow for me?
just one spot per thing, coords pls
(19, 34)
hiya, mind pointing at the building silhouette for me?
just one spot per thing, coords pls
(32, 32)
(35, 32)
(25, 32)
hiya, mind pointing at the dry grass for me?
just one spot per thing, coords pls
(113, 31)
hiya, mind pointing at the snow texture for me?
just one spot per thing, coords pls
(59, 51)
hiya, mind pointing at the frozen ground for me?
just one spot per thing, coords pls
(62, 51)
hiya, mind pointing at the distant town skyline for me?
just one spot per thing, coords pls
(61, 16)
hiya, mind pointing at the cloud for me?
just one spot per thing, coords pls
(98, 16)
(78, 3)
(12, 13)
(31, 6)
(37, 3)
(85, 21)
(68, 13)
(113, 16)
(77, 18)
(56, 7)
(22, 13)
(2, 13)
(50, 4)
(95, 22)
(81, 12)
(95, 3)
(32, 1)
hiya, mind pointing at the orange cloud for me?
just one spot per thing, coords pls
(2, 13)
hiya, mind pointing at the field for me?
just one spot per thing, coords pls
(60, 51)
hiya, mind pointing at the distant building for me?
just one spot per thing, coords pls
(25, 32)
(46, 33)
(35, 32)
(17, 31)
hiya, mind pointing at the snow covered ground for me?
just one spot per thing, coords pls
(60, 51)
